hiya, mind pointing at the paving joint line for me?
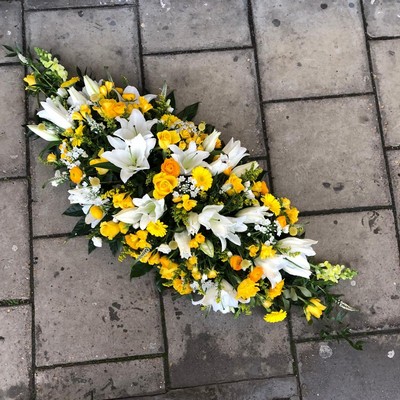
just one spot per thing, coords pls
(344, 210)
(102, 361)
(391, 148)
(30, 223)
(375, 39)
(380, 127)
(360, 334)
(140, 45)
(9, 64)
(258, 83)
(66, 8)
(195, 51)
(314, 98)
(252, 29)
(167, 375)
(12, 178)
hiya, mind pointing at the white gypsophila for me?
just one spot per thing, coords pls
(87, 196)
(59, 178)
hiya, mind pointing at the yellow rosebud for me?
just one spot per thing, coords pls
(315, 308)
(212, 274)
(51, 158)
(96, 212)
(30, 80)
(166, 138)
(109, 229)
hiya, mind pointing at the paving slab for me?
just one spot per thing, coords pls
(48, 4)
(15, 352)
(14, 243)
(333, 371)
(304, 48)
(386, 65)
(86, 308)
(260, 389)
(382, 17)
(202, 25)
(228, 95)
(12, 116)
(101, 381)
(218, 348)
(365, 241)
(11, 27)
(327, 154)
(92, 38)
(48, 202)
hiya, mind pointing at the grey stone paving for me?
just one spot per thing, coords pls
(327, 124)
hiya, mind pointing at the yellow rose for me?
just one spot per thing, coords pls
(166, 138)
(164, 184)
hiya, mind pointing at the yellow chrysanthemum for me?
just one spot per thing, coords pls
(157, 228)
(203, 178)
(259, 188)
(275, 316)
(247, 289)
(168, 268)
(267, 251)
(272, 203)
(277, 290)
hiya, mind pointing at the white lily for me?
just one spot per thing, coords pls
(254, 215)
(235, 152)
(210, 141)
(193, 224)
(164, 248)
(242, 169)
(221, 297)
(221, 226)
(135, 92)
(147, 210)
(46, 134)
(271, 267)
(76, 98)
(135, 125)
(296, 245)
(189, 158)
(131, 159)
(97, 241)
(92, 87)
(183, 240)
(54, 112)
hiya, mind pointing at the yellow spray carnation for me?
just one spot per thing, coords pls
(247, 289)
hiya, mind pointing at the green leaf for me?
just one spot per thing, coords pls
(74, 210)
(139, 269)
(106, 165)
(304, 291)
(80, 229)
(189, 112)
(115, 247)
(293, 294)
(91, 246)
(171, 98)
(286, 294)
